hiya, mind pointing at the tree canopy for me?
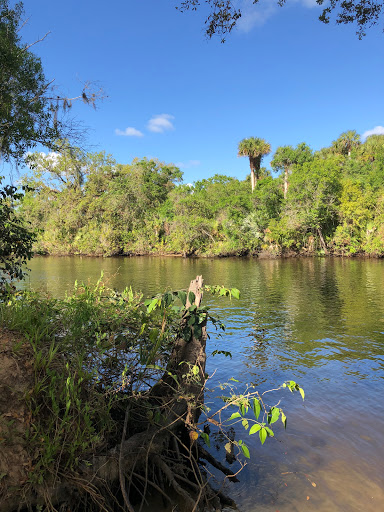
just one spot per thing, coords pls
(287, 156)
(90, 204)
(15, 238)
(26, 116)
(30, 111)
(223, 15)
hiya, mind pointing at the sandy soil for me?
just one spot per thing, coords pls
(16, 380)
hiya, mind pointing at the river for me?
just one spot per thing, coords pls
(317, 321)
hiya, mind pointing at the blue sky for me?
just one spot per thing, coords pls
(176, 96)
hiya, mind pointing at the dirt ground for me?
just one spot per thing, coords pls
(16, 380)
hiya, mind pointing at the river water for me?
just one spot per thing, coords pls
(319, 322)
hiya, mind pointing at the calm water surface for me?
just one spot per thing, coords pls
(319, 322)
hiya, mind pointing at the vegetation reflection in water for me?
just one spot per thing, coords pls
(317, 321)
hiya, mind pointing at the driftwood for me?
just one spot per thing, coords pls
(162, 455)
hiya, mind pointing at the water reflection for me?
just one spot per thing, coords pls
(317, 321)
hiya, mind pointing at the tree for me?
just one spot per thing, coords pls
(254, 148)
(314, 196)
(287, 156)
(29, 111)
(344, 144)
(224, 14)
(16, 238)
(373, 149)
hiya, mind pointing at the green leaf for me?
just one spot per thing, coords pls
(245, 450)
(245, 424)
(206, 438)
(234, 416)
(269, 432)
(191, 297)
(183, 297)
(242, 409)
(263, 435)
(301, 390)
(195, 370)
(235, 293)
(273, 415)
(198, 331)
(202, 318)
(225, 353)
(152, 305)
(255, 428)
(191, 320)
(256, 408)
(167, 299)
(284, 419)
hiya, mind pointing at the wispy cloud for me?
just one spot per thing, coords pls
(187, 165)
(256, 15)
(129, 132)
(160, 123)
(307, 3)
(377, 130)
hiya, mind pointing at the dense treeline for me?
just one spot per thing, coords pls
(330, 201)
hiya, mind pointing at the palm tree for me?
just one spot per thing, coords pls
(254, 148)
(346, 142)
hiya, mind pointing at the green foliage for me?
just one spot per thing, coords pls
(313, 198)
(91, 350)
(287, 156)
(26, 116)
(252, 412)
(346, 142)
(192, 319)
(327, 202)
(16, 238)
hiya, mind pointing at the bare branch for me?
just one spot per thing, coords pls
(26, 48)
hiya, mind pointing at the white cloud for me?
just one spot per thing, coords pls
(309, 3)
(256, 15)
(160, 123)
(53, 157)
(187, 165)
(129, 132)
(377, 130)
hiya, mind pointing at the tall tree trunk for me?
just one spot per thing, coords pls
(286, 169)
(254, 164)
(253, 179)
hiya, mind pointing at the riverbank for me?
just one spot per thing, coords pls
(271, 253)
(100, 397)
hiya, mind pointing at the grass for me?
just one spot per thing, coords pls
(91, 350)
